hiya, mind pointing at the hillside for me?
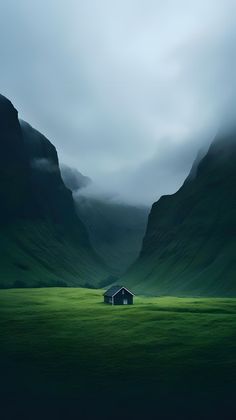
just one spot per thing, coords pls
(42, 240)
(190, 242)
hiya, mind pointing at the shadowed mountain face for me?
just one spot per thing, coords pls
(14, 166)
(42, 240)
(190, 243)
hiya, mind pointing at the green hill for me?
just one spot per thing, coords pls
(190, 243)
(42, 239)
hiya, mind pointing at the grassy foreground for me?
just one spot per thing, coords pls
(64, 354)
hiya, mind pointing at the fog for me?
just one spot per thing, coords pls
(128, 91)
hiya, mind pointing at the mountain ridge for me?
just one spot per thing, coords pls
(189, 245)
(42, 239)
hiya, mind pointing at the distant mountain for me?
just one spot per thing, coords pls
(73, 179)
(42, 240)
(116, 230)
(190, 243)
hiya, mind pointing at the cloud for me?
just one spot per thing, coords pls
(44, 165)
(127, 91)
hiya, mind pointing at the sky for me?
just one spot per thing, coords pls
(127, 90)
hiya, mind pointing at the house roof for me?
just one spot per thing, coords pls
(113, 290)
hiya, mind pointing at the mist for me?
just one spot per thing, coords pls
(127, 91)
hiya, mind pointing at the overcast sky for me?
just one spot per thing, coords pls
(127, 90)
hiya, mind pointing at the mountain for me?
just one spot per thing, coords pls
(42, 240)
(73, 179)
(190, 244)
(115, 229)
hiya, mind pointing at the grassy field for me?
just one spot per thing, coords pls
(66, 354)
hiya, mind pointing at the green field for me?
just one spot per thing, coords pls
(63, 351)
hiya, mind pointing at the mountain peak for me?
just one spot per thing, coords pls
(6, 106)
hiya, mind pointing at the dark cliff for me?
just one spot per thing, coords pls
(190, 243)
(43, 241)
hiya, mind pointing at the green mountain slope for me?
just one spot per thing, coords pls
(190, 243)
(42, 240)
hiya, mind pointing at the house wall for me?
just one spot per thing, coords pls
(118, 298)
(106, 299)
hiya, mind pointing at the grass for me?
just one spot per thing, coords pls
(63, 351)
(40, 254)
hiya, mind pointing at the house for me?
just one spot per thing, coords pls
(118, 295)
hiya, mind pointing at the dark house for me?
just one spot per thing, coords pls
(118, 295)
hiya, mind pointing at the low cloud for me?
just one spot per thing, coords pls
(44, 165)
